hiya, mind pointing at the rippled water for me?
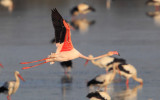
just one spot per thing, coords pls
(26, 31)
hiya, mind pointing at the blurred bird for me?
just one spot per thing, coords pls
(155, 3)
(156, 17)
(82, 24)
(104, 79)
(128, 71)
(11, 87)
(81, 9)
(8, 4)
(97, 95)
(65, 50)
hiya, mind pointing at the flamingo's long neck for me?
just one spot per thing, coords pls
(17, 79)
(88, 58)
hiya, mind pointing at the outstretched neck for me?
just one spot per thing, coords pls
(88, 58)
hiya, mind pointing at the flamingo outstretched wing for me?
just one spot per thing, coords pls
(62, 31)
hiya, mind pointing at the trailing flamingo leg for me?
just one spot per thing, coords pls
(1, 65)
(34, 61)
(8, 97)
(34, 65)
(86, 62)
(127, 83)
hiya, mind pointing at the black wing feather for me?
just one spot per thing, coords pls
(59, 27)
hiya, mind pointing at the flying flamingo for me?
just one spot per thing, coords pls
(11, 87)
(128, 71)
(65, 50)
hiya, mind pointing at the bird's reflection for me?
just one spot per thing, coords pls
(66, 82)
(98, 95)
(108, 4)
(82, 24)
(128, 94)
(8, 4)
(156, 17)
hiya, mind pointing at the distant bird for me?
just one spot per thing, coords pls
(97, 95)
(11, 87)
(103, 80)
(67, 65)
(156, 17)
(81, 9)
(107, 61)
(155, 3)
(8, 4)
(128, 71)
(82, 24)
(65, 50)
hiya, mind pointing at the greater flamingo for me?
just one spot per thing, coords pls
(98, 95)
(11, 87)
(81, 9)
(128, 71)
(65, 50)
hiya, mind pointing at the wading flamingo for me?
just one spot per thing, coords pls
(11, 87)
(65, 50)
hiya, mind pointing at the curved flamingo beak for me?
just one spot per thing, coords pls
(1, 65)
(116, 53)
(86, 62)
(21, 77)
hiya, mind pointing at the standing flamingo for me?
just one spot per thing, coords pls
(128, 71)
(65, 50)
(11, 87)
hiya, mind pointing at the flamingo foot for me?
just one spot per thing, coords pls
(8, 97)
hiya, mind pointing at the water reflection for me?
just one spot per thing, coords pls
(156, 17)
(82, 24)
(66, 85)
(98, 95)
(7, 4)
(128, 94)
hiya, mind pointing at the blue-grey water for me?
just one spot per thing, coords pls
(26, 31)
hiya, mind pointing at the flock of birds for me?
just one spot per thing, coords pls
(66, 52)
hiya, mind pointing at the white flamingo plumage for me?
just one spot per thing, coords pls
(65, 50)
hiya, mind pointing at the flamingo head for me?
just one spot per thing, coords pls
(111, 53)
(90, 56)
